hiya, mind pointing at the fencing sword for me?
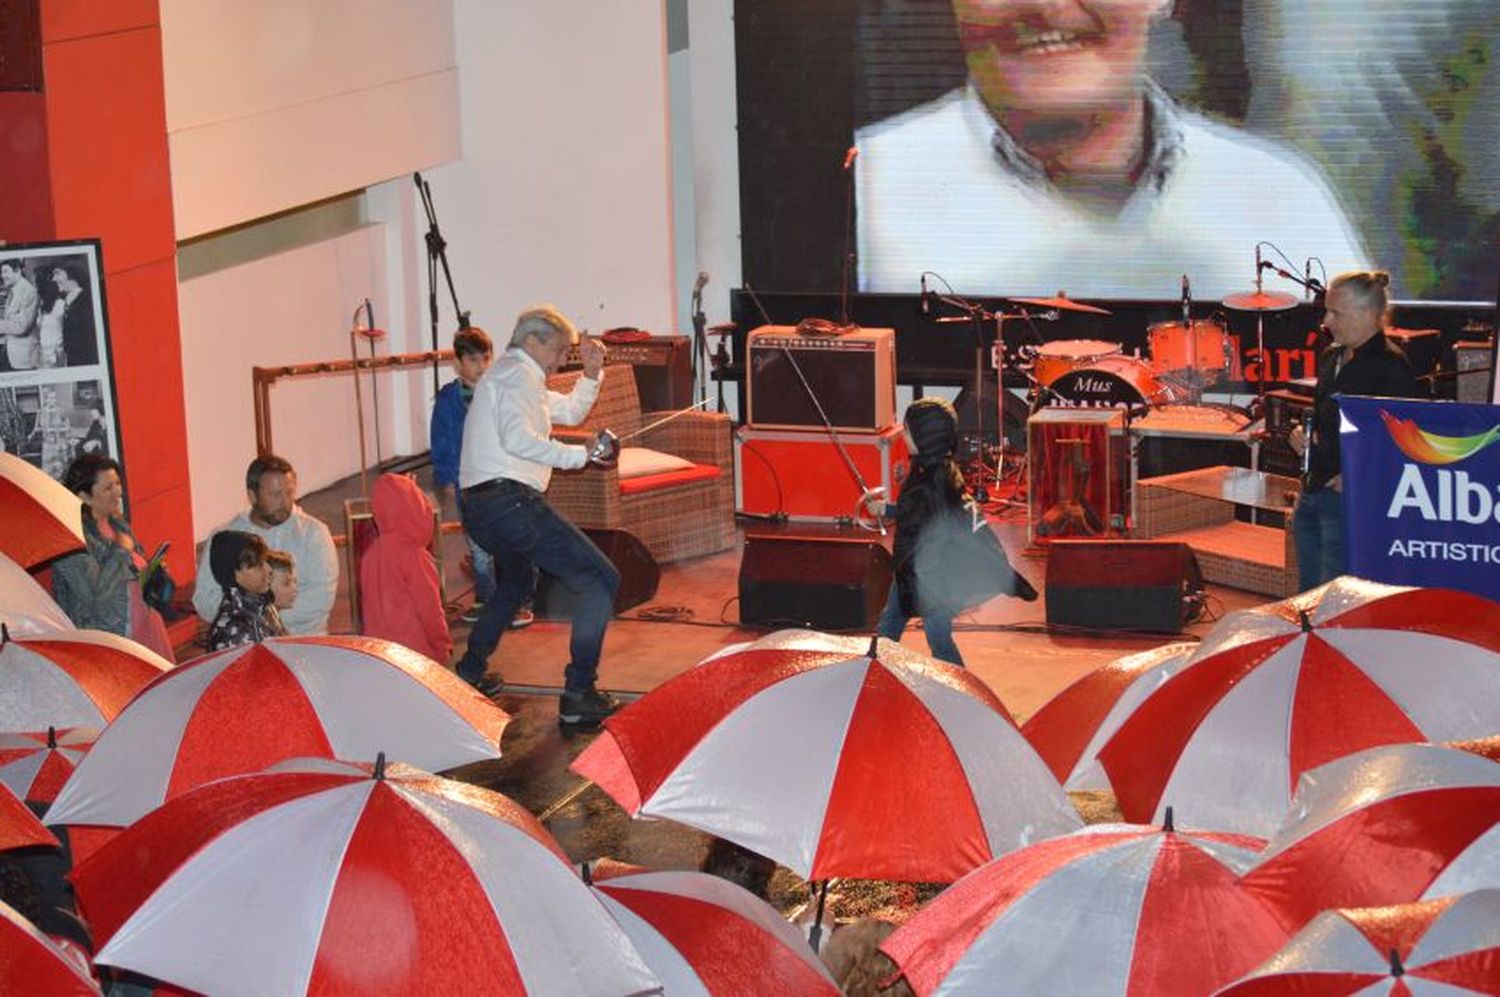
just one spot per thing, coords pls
(606, 445)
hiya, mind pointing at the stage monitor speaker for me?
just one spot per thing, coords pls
(823, 583)
(1148, 585)
(639, 576)
(853, 377)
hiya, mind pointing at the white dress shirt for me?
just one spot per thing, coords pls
(942, 187)
(508, 431)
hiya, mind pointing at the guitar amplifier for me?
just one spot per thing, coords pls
(853, 377)
(1473, 360)
(663, 368)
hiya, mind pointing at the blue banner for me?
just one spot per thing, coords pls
(1422, 492)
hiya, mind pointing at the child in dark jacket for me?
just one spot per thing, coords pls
(238, 562)
(946, 559)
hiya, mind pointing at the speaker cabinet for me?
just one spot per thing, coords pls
(1149, 585)
(822, 583)
(662, 365)
(853, 377)
(1474, 378)
(639, 576)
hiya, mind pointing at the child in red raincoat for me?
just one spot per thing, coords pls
(398, 575)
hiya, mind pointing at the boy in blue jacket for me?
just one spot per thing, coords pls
(472, 353)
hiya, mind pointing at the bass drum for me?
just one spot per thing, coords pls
(1111, 382)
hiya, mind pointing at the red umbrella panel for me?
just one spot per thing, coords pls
(19, 827)
(1442, 947)
(1389, 825)
(74, 678)
(241, 709)
(32, 963)
(27, 609)
(35, 765)
(1112, 909)
(1073, 725)
(702, 934)
(324, 877)
(834, 756)
(39, 518)
(1277, 691)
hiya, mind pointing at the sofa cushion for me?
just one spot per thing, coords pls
(637, 462)
(668, 479)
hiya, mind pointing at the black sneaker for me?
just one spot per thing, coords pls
(471, 615)
(589, 707)
(489, 684)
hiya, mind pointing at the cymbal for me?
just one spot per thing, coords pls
(1260, 301)
(1062, 303)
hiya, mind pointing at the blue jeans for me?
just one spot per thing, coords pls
(516, 526)
(937, 626)
(1318, 533)
(484, 571)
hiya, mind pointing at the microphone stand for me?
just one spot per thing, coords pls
(437, 253)
(977, 315)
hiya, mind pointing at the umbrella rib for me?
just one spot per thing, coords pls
(564, 800)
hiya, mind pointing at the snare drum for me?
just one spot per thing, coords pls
(1173, 348)
(1113, 382)
(1055, 359)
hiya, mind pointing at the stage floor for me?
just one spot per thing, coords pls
(693, 614)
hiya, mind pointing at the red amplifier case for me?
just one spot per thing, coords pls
(800, 472)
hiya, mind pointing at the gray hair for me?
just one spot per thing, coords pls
(1368, 288)
(542, 323)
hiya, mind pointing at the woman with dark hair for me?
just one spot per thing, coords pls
(99, 587)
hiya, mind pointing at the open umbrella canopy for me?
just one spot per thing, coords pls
(1112, 909)
(73, 678)
(702, 934)
(34, 766)
(1276, 691)
(1389, 825)
(1073, 725)
(325, 877)
(19, 827)
(32, 963)
(39, 518)
(834, 756)
(241, 709)
(1442, 948)
(26, 609)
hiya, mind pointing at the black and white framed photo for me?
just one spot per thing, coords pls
(56, 385)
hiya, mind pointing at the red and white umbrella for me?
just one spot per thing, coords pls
(807, 749)
(1444, 948)
(39, 518)
(1114, 908)
(1389, 825)
(703, 935)
(241, 709)
(19, 827)
(73, 678)
(35, 765)
(1071, 728)
(315, 877)
(32, 963)
(26, 609)
(1277, 691)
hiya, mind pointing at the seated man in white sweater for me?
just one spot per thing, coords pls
(271, 486)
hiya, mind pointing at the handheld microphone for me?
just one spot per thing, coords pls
(926, 306)
(850, 157)
(1307, 441)
(702, 280)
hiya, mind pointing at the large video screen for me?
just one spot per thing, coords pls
(1110, 147)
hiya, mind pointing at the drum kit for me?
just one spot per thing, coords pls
(1184, 358)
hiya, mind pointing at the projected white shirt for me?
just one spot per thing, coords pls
(941, 187)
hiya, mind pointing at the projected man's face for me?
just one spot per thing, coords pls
(1056, 56)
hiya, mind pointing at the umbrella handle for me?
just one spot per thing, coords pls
(816, 934)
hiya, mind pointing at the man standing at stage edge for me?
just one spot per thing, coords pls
(274, 516)
(507, 460)
(1361, 361)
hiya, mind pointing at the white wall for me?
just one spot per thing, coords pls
(279, 103)
(291, 308)
(716, 151)
(563, 193)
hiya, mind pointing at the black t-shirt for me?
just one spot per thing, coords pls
(1378, 368)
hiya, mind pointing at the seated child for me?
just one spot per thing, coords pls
(238, 562)
(398, 575)
(283, 588)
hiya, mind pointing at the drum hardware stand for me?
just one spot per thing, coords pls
(369, 333)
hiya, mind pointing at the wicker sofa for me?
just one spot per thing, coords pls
(677, 514)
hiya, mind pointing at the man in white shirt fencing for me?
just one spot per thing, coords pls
(507, 460)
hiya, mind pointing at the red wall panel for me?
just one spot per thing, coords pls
(26, 207)
(65, 19)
